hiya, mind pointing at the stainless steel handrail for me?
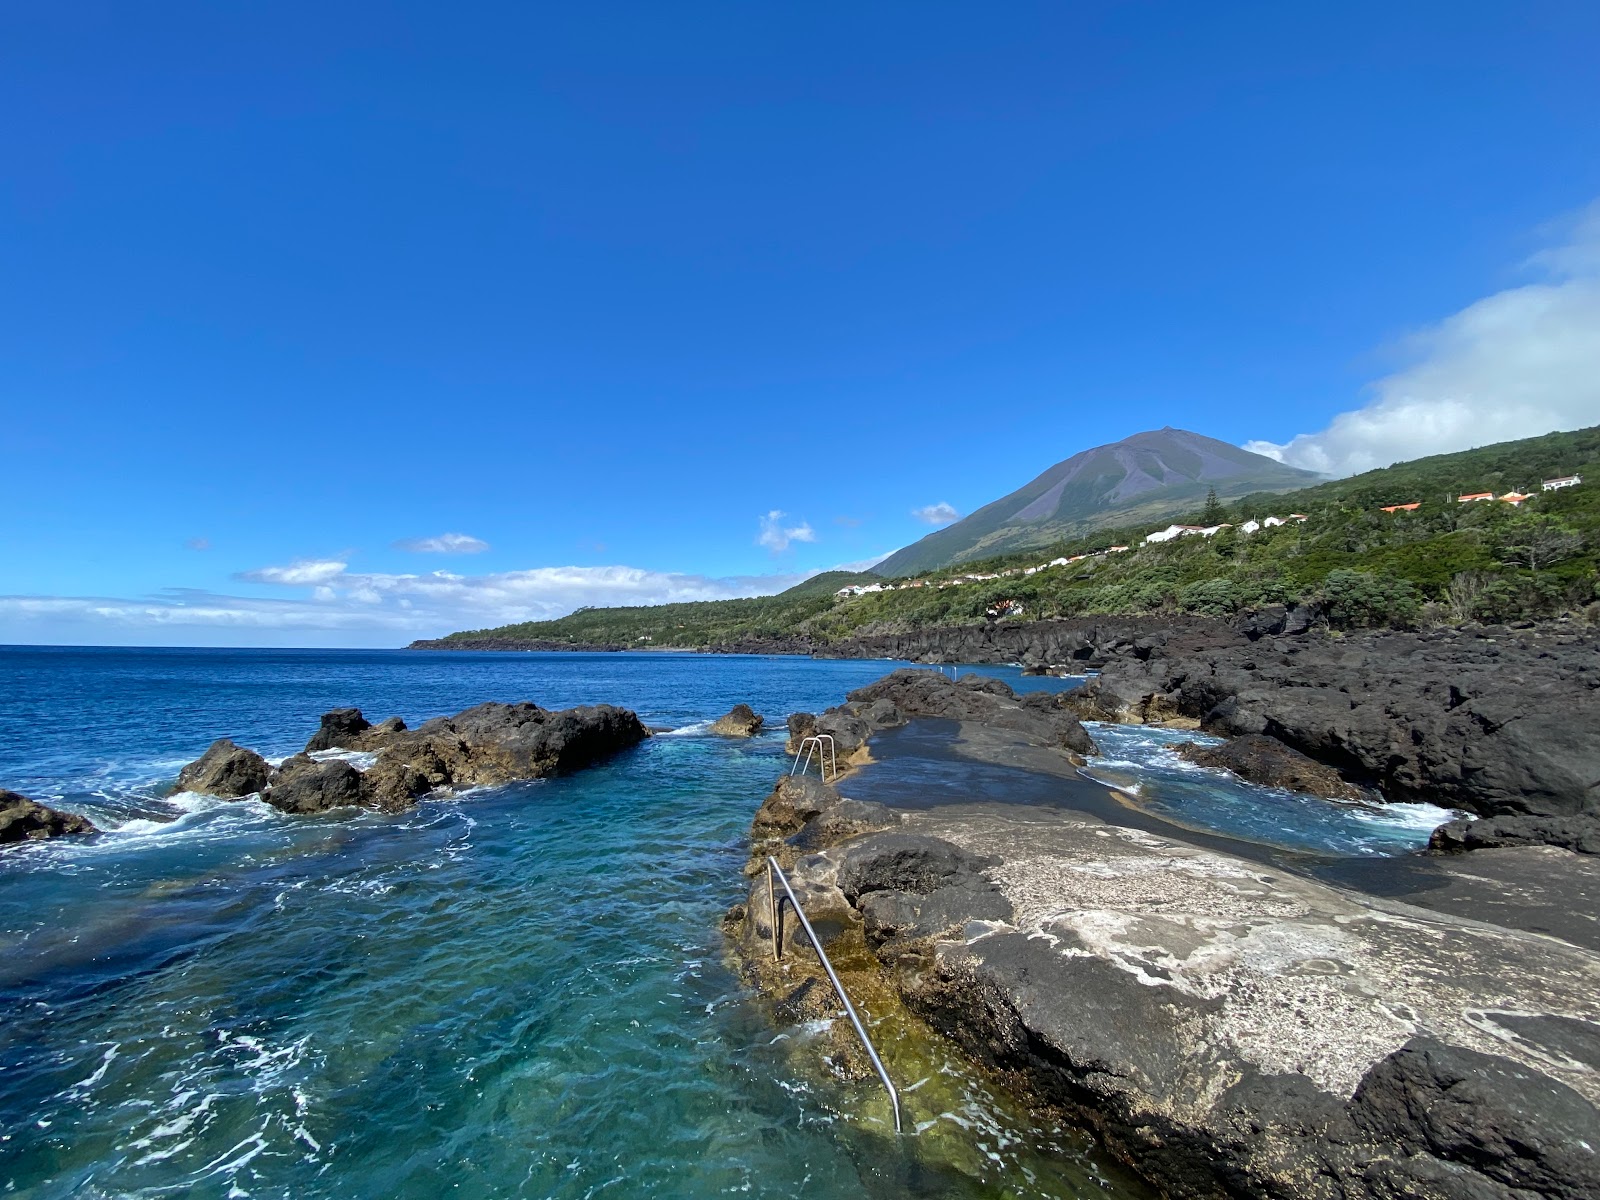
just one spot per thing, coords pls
(813, 742)
(833, 978)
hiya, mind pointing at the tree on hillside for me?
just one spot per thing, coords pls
(1213, 513)
(1536, 540)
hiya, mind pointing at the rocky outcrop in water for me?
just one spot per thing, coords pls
(740, 721)
(225, 770)
(1267, 761)
(482, 746)
(24, 820)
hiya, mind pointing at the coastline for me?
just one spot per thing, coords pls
(1226, 1017)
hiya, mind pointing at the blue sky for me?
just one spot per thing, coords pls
(290, 292)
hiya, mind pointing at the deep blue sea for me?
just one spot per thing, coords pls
(517, 992)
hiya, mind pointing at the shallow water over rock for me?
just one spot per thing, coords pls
(519, 992)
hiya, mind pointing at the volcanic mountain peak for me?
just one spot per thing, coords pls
(1148, 476)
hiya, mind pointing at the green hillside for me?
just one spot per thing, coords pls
(690, 624)
(1445, 562)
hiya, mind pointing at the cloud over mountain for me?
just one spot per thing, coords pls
(1523, 361)
(936, 514)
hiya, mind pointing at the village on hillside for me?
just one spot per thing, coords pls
(1013, 608)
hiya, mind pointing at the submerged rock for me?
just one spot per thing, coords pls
(225, 770)
(24, 820)
(1265, 760)
(740, 721)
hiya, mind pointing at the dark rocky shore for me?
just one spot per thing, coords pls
(1492, 720)
(481, 746)
(1227, 1024)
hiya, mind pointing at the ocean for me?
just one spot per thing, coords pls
(520, 991)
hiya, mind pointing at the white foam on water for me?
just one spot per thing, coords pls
(361, 760)
(1423, 818)
(687, 730)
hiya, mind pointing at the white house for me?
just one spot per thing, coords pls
(1250, 526)
(1563, 481)
(1170, 532)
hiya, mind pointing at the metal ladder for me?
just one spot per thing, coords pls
(773, 869)
(826, 758)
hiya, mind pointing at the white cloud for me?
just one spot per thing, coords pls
(936, 514)
(300, 572)
(341, 609)
(776, 536)
(445, 543)
(1519, 363)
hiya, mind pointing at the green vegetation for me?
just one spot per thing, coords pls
(1444, 562)
(694, 623)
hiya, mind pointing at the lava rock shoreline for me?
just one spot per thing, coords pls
(1226, 1029)
(488, 744)
(1491, 720)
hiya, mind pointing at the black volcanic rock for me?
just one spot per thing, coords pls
(225, 770)
(481, 746)
(341, 729)
(24, 820)
(1495, 722)
(979, 699)
(1487, 1113)
(1267, 761)
(304, 785)
(1579, 833)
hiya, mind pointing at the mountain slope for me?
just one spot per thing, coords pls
(1145, 477)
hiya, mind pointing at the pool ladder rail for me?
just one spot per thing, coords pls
(774, 870)
(820, 744)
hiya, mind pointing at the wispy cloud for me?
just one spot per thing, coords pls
(776, 536)
(1521, 362)
(198, 543)
(445, 543)
(301, 572)
(936, 514)
(336, 607)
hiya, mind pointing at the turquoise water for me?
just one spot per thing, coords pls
(517, 993)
